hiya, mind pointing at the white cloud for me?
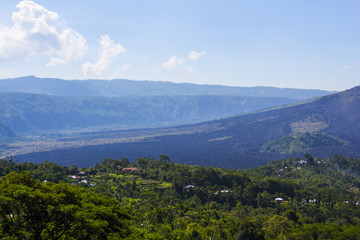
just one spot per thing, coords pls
(173, 62)
(342, 68)
(38, 31)
(120, 71)
(195, 55)
(108, 52)
(176, 63)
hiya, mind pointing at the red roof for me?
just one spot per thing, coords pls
(131, 169)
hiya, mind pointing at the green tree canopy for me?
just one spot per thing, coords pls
(30, 209)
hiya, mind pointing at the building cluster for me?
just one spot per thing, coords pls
(79, 177)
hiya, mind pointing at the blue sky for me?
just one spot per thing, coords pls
(313, 44)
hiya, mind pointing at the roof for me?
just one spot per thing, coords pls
(131, 169)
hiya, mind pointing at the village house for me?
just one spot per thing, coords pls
(131, 169)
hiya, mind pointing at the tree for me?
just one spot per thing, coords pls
(124, 162)
(30, 209)
(277, 225)
(248, 230)
(110, 164)
(164, 158)
(291, 215)
(309, 159)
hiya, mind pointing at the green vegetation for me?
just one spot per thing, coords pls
(34, 210)
(309, 198)
(300, 142)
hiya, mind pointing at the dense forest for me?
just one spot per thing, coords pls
(293, 198)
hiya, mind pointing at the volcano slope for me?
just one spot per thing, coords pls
(324, 127)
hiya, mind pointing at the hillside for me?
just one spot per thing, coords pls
(27, 113)
(234, 142)
(5, 131)
(123, 88)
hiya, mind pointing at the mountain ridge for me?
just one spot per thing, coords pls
(123, 87)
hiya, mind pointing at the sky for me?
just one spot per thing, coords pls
(310, 44)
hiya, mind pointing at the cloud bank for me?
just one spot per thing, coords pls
(108, 52)
(37, 31)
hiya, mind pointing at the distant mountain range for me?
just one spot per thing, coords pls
(28, 113)
(322, 127)
(126, 88)
(31, 105)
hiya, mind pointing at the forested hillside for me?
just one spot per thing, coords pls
(6, 132)
(294, 198)
(41, 114)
